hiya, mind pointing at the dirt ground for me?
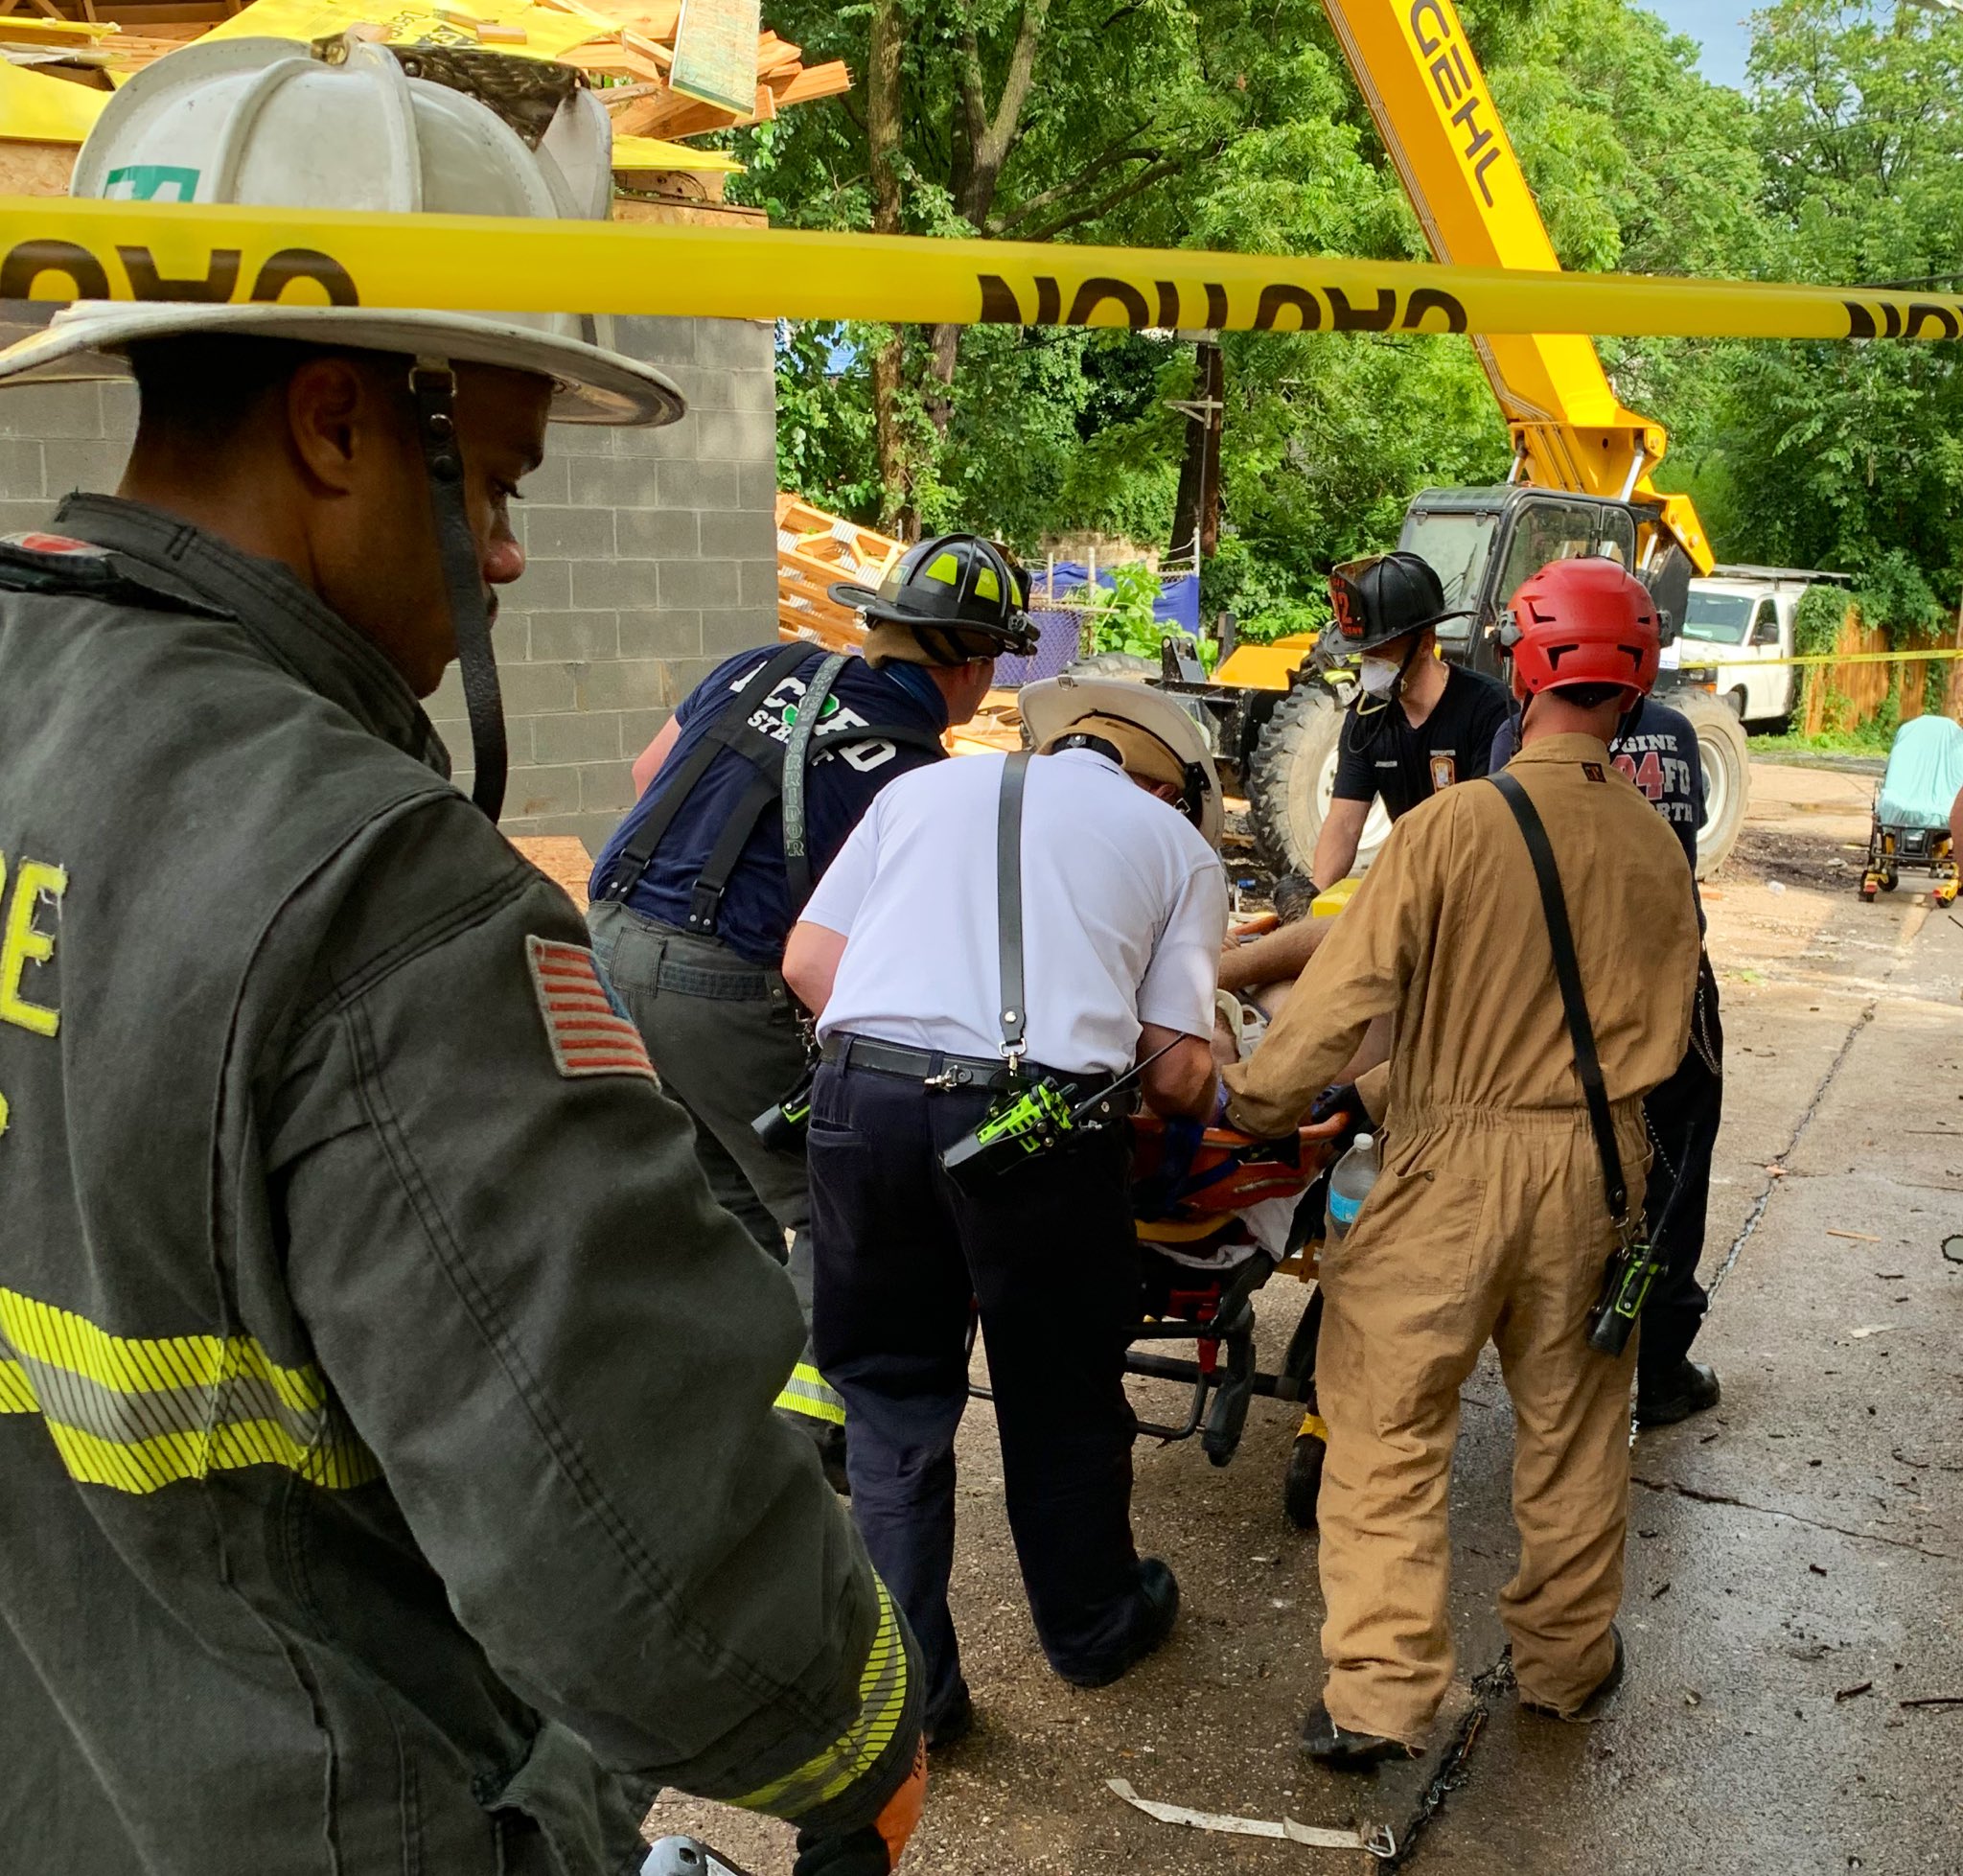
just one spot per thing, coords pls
(1796, 1571)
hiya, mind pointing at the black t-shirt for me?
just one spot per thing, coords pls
(1383, 754)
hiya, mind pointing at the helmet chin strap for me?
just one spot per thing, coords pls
(432, 384)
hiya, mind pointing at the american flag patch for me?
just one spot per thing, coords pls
(588, 1031)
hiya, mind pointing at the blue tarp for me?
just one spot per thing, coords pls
(1924, 774)
(1176, 609)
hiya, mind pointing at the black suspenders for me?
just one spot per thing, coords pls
(769, 759)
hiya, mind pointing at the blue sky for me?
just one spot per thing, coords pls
(1719, 25)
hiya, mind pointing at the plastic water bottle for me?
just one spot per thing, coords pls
(1350, 1184)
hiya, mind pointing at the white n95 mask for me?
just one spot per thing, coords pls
(1379, 675)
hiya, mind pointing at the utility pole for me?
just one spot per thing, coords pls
(1196, 513)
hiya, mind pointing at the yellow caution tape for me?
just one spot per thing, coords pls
(63, 248)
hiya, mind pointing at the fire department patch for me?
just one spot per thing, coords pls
(588, 1030)
(1445, 771)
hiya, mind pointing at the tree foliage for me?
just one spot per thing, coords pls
(1234, 125)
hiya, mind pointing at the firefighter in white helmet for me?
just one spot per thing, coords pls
(385, 1421)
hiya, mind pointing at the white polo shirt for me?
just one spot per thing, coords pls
(1124, 910)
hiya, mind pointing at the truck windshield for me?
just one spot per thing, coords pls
(1457, 547)
(1717, 618)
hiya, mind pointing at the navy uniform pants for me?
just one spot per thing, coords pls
(903, 1259)
(1683, 1116)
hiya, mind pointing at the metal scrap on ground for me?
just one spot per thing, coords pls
(1380, 1843)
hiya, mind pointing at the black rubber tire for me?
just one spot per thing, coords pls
(1726, 758)
(1129, 665)
(1304, 1485)
(1889, 882)
(1288, 781)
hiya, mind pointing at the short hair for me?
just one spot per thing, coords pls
(1587, 696)
(206, 387)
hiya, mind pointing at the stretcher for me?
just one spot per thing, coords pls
(1219, 1214)
(1910, 829)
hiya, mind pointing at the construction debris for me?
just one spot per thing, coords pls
(57, 70)
(1380, 1843)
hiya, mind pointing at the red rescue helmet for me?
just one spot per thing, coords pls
(1584, 622)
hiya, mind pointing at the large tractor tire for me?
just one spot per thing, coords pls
(1291, 781)
(1726, 760)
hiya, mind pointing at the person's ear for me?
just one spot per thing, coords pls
(330, 419)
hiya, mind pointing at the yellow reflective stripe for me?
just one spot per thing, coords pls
(808, 1393)
(143, 1466)
(135, 1365)
(136, 1413)
(1313, 1427)
(881, 1706)
(16, 1396)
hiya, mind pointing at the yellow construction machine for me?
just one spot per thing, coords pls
(1580, 478)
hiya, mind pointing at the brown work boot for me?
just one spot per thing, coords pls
(1599, 1696)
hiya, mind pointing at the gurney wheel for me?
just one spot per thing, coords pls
(1889, 882)
(1867, 894)
(1304, 1481)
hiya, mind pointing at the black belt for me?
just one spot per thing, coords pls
(932, 1066)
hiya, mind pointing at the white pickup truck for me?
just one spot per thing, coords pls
(1744, 615)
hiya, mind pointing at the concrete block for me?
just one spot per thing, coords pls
(52, 410)
(756, 486)
(708, 486)
(639, 728)
(118, 406)
(699, 583)
(753, 390)
(84, 463)
(22, 472)
(742, 344)
(570, 533)
(617, 482)
(535, 791)
(657, 341)
(736, 436)
(446, 702)
(726, 634)
(606, 787)
(551, 481)
(617, 585)
(561, 635)
(571, 441)
(24, 517)
(546, 586)
(737, 534)
(540, 689)
(632, 684)
(658, 534)
(578, 736)
(682, 439)
(660, 632)
(759, 584)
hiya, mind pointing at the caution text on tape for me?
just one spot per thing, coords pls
(59, 249)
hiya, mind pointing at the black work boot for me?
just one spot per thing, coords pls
(1337, 1749)
(1689, 1390)
(1158, 1610)
(949, 1729)
(1598, 1696)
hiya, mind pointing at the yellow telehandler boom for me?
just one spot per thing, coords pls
(1437, 117)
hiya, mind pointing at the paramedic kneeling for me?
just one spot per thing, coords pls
(1115, 910)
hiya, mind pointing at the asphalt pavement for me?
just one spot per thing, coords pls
(1794, 1610)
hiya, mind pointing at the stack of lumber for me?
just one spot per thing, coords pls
(815, 550)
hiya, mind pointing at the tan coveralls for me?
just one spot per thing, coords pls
(1489, 1219)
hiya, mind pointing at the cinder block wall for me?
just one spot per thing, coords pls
(651, 556)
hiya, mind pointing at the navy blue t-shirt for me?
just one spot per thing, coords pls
(1658, 752)
(754, 917)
